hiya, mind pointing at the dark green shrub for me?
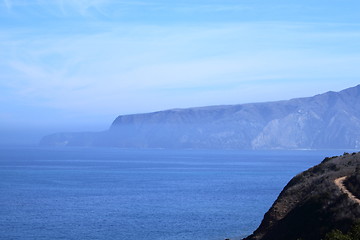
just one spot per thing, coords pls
(353, 234)
(355, 231)
(336, 235)
(333, 167)
(353, 184)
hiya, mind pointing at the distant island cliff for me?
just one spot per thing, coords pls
(320, 203)
(329, 120)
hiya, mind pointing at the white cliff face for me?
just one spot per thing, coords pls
(330, 120)
(294, 131)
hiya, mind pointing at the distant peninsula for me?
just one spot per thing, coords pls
(326, 121)
(320, 203)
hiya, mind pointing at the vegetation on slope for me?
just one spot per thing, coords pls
(353, 234)
(353, 183)
(311, 205)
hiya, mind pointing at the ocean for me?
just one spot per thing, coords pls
(109, 193)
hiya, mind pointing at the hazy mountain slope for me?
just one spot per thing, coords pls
(330, 120)
(312, 205)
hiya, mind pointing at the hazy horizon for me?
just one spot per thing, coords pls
(76, 65)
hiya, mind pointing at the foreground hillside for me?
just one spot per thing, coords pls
(329, 120)
(315, 203)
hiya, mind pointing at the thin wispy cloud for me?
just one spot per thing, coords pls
(149, 61)
(65, 7)
(101, 58)
(84, 7)
(7, 4)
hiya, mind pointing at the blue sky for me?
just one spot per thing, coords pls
(75, 65)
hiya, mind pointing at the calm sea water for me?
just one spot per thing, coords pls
(67, 193)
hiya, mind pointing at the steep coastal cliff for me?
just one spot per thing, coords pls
(329, 120)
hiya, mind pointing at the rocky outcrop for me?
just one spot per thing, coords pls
(312, 204)
(329, 120)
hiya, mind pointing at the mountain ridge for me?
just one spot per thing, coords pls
(300, 123)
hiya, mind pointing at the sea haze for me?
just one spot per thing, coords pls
(326, 121)
(84, 193)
